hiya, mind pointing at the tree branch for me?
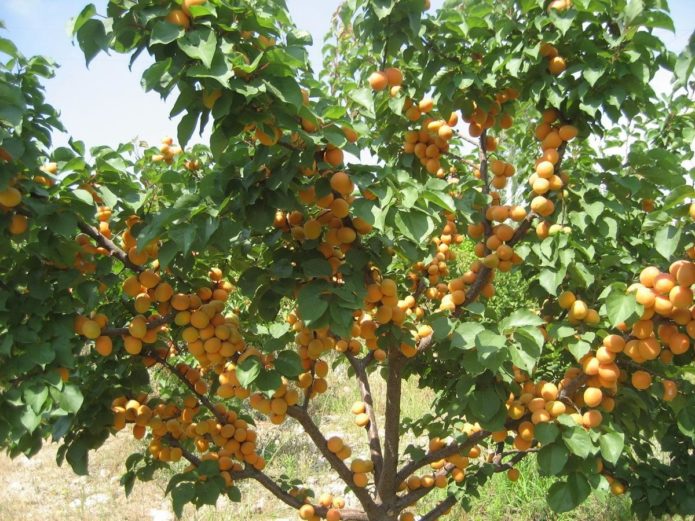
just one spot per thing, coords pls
(114, 250)
(201, 397)
(440, 509)
(386, 486)
(444, 452)
(373, 429)
(342, 470)
(121, 331)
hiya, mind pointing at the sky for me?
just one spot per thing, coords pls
(105, 104)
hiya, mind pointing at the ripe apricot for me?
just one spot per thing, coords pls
(394, 76)
(10, 197)
(556, 65)
(378, 80)
(187, 4)
(333, 156)
(18, 224)
(592, 396)
(178, 17)
(641, 380)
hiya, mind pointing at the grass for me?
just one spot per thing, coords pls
(38, 489)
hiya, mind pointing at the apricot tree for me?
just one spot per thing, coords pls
(189, 295)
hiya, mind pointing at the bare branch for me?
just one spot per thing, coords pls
(444, 452)
(201, 397)
(122, 331)
(440, 509)
(114, 250)
(336, 463)
(373, 428)
(386, 486)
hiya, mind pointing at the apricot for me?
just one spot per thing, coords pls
(178, 17)
(378, 80)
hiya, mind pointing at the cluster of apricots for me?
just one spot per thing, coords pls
(167, 151)
(545, 180)
(332, 504)
(330, 224)
(495, 116)
(577, 310)
(83, 261)
(10, 198)
(224, 438)
(431, 141)
(556, 63)
(437, 268)
(390, 77)
(593, 385)
(275, 407)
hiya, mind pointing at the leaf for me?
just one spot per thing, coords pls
(364, 98)
(92, 39)
(550, 279)
(486, 404)
(578, 441)
(611, 444)
(632, 11)
(666, 240)
(311, 303)
(546, 433)
(289, 364)
(77, 457)
(317, 268)
(269, 381)
(199, 44)
(248, 370)
(70, 399)
(415, 225)
(180, 496)
(566, 496)
(621, 307)
(520, 318)
(165, 33)
(552, 459)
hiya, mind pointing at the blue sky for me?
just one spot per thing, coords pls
(106, 105)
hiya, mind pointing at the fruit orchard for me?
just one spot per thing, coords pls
(197, 294)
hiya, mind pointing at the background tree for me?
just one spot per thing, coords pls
(183, 294)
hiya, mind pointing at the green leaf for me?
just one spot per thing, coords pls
(632, 11)
(311, 301)
(686, 420)
(611, 444)
(621, 307)
(415, 225)
(317, 268)
(165, 33)
(552, 459)
(546, 433)
(578, 441)
(182, 495)
(667, 239)
(566, 496)
(248, 370)
(199, 44)
(289, 364)
(520, 318)
(70, 399)
(92, 39)
(269, 381)
(77, 457)
(364, 98)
